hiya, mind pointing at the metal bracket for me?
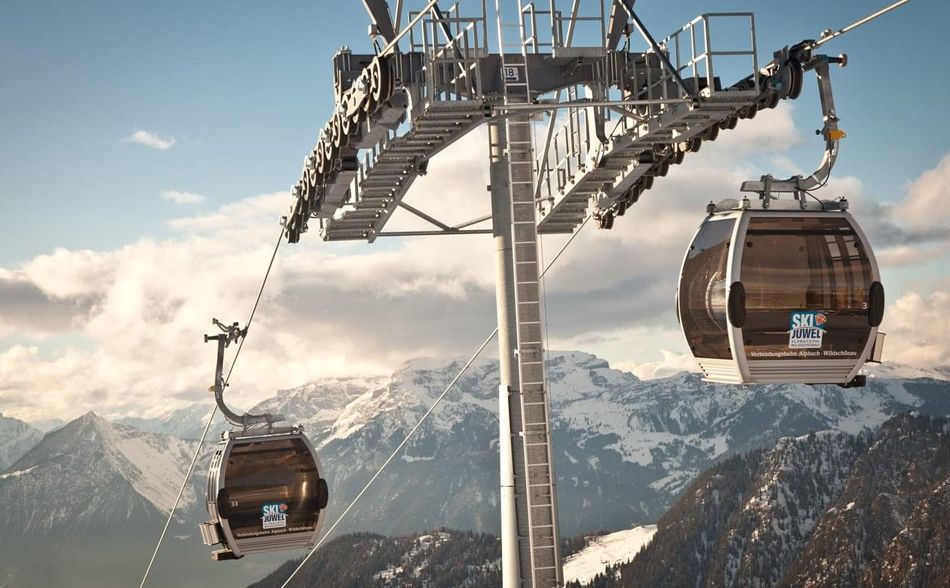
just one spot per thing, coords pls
(231, 334)
(767, 185)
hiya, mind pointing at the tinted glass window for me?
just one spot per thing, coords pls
(702, 291)
(806, 282)
(272, 488)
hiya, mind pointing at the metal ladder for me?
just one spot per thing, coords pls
(536, 500)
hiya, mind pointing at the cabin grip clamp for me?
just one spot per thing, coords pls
(231, 334)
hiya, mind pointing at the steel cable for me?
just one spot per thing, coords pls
(425, 416)
(214, 412)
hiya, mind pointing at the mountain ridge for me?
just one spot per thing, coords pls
(16, 439)
(831, 509)
(624, 450)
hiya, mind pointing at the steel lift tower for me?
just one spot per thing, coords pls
(585, 108)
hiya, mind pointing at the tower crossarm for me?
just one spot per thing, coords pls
(628, 115)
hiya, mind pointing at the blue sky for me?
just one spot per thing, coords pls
(245, 86)
(238, 91)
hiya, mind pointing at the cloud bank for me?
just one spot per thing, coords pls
(133, 318)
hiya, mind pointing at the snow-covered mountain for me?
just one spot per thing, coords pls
(624, 448)
(826, 509)
(16, 438)
(187, 422)
(84, 507)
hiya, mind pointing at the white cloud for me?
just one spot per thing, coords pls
(179, 197)
(773, 130)
(669, 364)
(150, 139)
(927, 203)
(905, 255)
(917, 327)
(344, 308)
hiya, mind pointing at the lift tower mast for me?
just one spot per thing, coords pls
(621, 108)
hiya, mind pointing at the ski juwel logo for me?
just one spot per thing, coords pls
(807, 329)
(274, 515)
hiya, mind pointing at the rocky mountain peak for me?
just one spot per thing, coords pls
(823, 509)
(92, 450)
(16, 438)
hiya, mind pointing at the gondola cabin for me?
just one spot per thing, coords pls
(784, 294)
(265, 492)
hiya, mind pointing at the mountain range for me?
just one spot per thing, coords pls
(825, 509)
(84, 508)
(16, 439)
(624, 448)
(624, 451)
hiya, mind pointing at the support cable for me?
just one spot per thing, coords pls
(829, 35)
(211, 416)
(425, 416)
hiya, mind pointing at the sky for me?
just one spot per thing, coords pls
(147, 149)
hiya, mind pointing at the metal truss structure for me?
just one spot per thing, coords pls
(585, 109)
(617, 117)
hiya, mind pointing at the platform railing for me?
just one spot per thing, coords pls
(691, 50)
(452, 47)
(576, 147)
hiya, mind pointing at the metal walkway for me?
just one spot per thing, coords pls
(629, 115)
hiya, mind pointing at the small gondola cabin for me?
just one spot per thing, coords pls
(265, 492)
(781, 294)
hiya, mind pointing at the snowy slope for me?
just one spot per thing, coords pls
(823, 509)
(624, 448)
(606, 550)
(91, 464)
(16, 438)
(85, 506)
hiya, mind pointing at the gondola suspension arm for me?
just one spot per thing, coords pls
(231, 334)
(792, 63)
(800, 60)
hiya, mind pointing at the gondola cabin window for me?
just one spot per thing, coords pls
(702, 293)
(806, 281)
(272, 489)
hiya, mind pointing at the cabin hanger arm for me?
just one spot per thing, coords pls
(796, 61)
(231, 334)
